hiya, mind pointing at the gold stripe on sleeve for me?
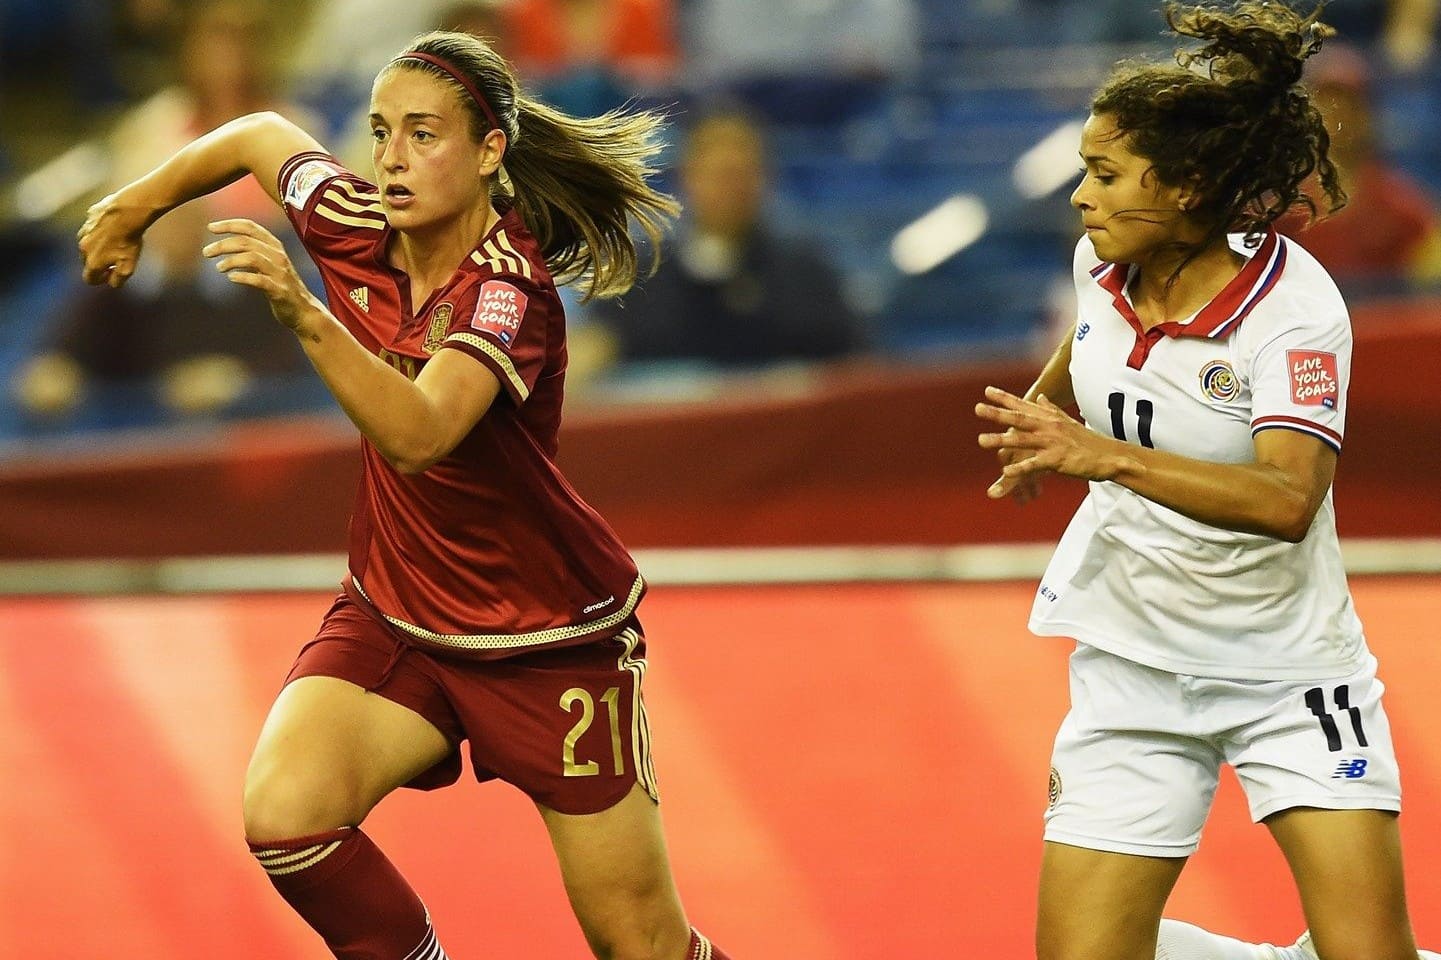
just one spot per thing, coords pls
(363, 194)
(507, 264)
(495, 353)
(504, 242)
(350, 221)
(341, 200)
(495, 266)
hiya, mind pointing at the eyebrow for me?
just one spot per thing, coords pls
(1097, 159)
(411, 117)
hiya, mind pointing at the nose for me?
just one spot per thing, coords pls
(1078, 197)
(392, 157)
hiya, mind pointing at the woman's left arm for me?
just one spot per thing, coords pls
(1275, 495)
(413, 424)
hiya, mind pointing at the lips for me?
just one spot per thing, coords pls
(398, 196)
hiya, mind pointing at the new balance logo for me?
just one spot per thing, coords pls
(361, 296)
(1350, 769)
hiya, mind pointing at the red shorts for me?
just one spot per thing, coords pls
(567, 726)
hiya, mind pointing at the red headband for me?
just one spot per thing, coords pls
(459, 78)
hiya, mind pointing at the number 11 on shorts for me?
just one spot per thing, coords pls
(1316, 700)
(611, 699)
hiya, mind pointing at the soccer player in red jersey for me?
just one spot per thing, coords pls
(485, 601)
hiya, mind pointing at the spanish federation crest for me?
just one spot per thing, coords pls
(439, 323)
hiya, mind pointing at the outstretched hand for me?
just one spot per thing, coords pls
(1042, 438)
(251, 255)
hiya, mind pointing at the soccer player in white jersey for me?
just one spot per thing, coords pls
(1201, 577)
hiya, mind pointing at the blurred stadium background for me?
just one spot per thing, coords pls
(852, 723)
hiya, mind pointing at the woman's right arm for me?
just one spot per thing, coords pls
(257, 144)
(1054, 383)
(1055, 378)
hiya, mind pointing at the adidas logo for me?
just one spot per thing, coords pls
(361, 296)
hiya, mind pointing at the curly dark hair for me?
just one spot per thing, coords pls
(1230, 116)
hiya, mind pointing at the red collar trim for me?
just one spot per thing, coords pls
(1217, 319)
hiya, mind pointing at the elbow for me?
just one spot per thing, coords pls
(413, 455)
(410, 468)
(266, 119)
(411, 464)
(1293, 522)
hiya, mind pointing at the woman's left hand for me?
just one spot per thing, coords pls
(1046, 440)
(251, 255)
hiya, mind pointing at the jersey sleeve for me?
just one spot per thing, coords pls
(331, 208)
(1300, 372)
(504, 322)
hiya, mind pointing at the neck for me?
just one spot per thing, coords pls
(1158, 300)
(430, 255)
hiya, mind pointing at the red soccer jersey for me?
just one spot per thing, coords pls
(490, 552)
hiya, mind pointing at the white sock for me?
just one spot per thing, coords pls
(1186, 941)
(1428, 955)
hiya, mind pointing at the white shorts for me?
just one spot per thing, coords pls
(1137, 759)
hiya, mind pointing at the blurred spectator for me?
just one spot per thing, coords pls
(96, 53)
(1389, 229)
(802, 38)
(200, 336)
(1402, 31)
(1099, 21)
(589, 56)
(636, 38)
(346, 41)
(729, 291)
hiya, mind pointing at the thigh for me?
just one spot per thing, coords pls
(617, 876)
(568, 727)
(1127, 774)
(1097, 905)
(1324, 744)
(330, 748)
(1347, 865)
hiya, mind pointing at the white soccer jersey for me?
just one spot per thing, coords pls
(1271, 351)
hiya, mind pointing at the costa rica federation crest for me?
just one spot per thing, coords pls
(1218, 381)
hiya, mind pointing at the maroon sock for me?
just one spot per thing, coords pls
(344, 887)
(703, 949)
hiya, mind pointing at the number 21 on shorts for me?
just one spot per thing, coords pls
(581, 696)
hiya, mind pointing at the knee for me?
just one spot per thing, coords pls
(279, 805)
(1366, 951)
(1083, 947)
(1350, 944)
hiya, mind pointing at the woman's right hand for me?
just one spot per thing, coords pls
(1024, 488)
(110, 239)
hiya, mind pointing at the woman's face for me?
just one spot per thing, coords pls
(1127, 211)
(427, 167)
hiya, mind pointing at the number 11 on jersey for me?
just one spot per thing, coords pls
(1144, 412)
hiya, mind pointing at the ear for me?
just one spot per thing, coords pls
(492, 152)
(1189, 196)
